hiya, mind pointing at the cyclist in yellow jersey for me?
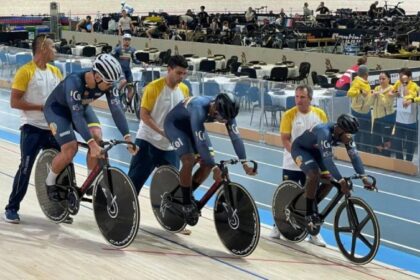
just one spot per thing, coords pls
(293, 123)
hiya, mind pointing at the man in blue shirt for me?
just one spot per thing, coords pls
(125, 55)
(184, 127)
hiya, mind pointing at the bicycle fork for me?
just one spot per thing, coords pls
(107, 189)
(231, 210)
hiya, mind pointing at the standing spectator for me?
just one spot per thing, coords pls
(383, 115)
(203, 17)
(31, 86)
(306, 11)
(294, 122)
(281, 20)
(124, 24)
(359, 94)
(322, 9)
(250, 15)
(373, 10)
(345, 80)
(85, 25)
(406, 121)
(125, 55)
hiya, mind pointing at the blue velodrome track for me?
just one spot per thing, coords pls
(397, 205)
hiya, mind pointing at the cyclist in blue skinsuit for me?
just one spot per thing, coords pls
(67, 109)
(184, 127)
(312, 152)
(125, 55)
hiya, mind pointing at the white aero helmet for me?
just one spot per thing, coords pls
(107, 67)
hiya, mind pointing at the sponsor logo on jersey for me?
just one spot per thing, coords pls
(326, 144)
(234, 128)
(76, 95)
(200, 135)
(299, 161)
(177, 143)
(53, 128)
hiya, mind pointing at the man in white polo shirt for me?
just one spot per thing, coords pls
(295, 121)
(31, 86)
(159, 97)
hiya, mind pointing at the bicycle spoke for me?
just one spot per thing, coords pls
(353, 244)
(362, 224)
(352, 215)
(364, 240)
(344, 229)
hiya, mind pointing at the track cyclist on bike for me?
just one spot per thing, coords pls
(184, 127)
(312, 152)
(67, 109)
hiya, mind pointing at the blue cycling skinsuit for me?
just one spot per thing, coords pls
(125, 56)
(68, 107)
(313, 150)
(184, 127)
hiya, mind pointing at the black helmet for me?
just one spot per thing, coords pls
(348, 123)
(227, 106)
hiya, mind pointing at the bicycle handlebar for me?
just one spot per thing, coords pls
(371, 187)
(108, 145)
(223, 163)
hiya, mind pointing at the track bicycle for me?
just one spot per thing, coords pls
(235, 214)
(356, 228)
(131, 105)
(114, 198)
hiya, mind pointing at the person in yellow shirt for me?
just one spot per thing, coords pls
(405, 137)
(360, 93)
(383, 114)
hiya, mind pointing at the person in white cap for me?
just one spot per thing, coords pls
(125, 55)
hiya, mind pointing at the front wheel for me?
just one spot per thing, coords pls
(357, 231)
(137, 101)
(236, 219)
(116, 208)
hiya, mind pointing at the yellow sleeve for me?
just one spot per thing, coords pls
(412, 89)
(354, 90)
(185, 90)
(149, 97)
(56, 71)
(21, 79)
(396, 86)
(286, 121)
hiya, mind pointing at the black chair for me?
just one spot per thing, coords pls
(250, 72)
(208, 66)
(234, 66)
(142, 56)
(278, 74)
(89, 51)
(148, 76)
(314, 76)
(255, 97)
(211, 88)
(229, 63)
(323, 81)
(188, 55)
(107, 49)
(241, 90)
(304, 70)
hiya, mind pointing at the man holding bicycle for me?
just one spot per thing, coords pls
(184, 127)
(67, 109)
(159, 97)
(312, 152)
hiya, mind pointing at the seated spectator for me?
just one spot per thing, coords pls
(306, 11)
(85, 25)
(159, 31)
